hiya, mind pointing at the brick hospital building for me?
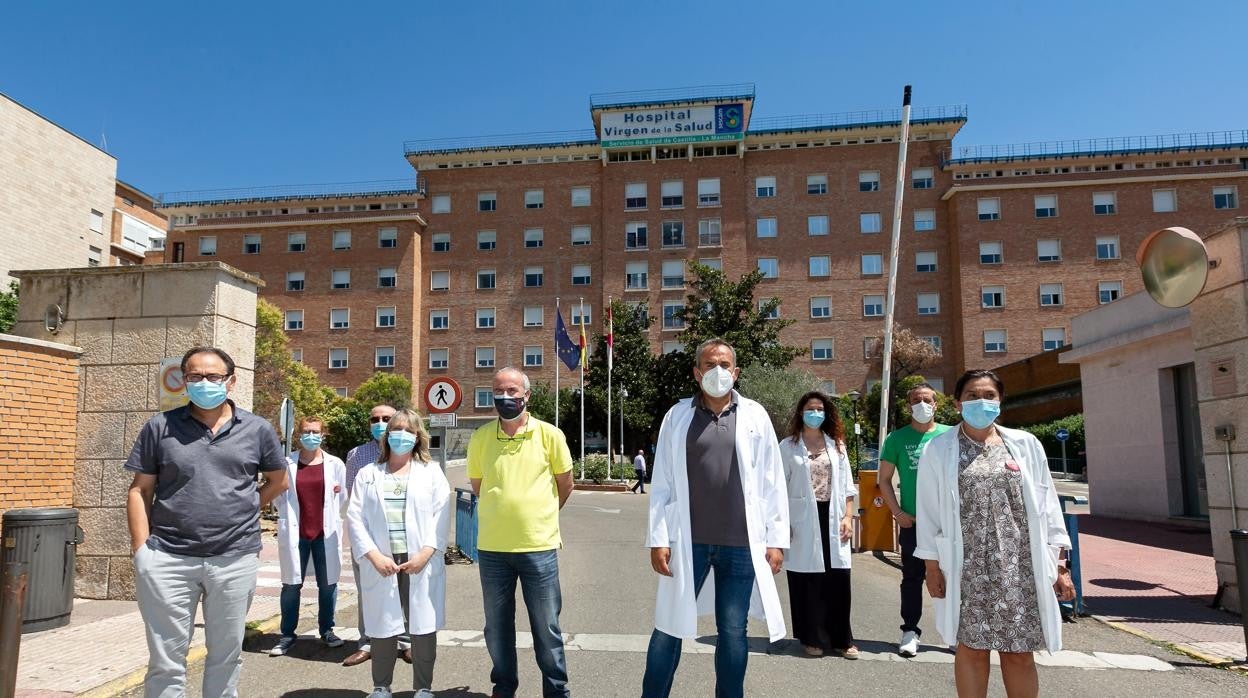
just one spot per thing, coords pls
(456, 271)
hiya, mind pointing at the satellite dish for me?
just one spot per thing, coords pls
(1175, 266)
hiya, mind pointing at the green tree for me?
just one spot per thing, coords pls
(278, 375)
(347, 424)
(385, 389)
(1075, 445)
(718, 307)
(634, 372)
(778, 390)
(8, 307)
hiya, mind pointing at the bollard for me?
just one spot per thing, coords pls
(13, 595)
(1239, 545)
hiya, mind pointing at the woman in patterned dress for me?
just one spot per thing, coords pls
(991, 530)
(821, 518)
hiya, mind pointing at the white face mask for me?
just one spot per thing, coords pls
(717, 382)
(922, 412)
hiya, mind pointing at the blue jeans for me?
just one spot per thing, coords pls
(538, 573)
(327, 593)
(734, 584)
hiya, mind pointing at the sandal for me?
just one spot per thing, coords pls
(812, 651)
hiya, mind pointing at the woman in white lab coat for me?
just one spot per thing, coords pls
(991, 530)
(309, 527)
(821, 518)
(398, 519)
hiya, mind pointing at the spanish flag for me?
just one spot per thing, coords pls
(583, 364)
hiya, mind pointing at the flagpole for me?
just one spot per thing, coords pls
(558, 361)
(610, 367)
(581, 301)
(890, 299)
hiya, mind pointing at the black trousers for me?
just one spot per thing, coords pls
(913, 571)
(820, 601)
(641, 481)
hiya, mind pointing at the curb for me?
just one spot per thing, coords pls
(194, 657)
(1220, 662)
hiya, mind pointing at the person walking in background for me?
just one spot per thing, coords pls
(718, 511)
(992, 533)
(821, 517)
(193, 510)
(399, 518)
(639, 470)
(358, 458)
(902, 449)
(521, 469)
(309, 527)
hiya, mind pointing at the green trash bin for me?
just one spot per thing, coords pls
(47, 540)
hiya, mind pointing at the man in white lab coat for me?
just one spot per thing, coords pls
(718, 511)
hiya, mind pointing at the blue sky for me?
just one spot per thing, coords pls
(208, 95)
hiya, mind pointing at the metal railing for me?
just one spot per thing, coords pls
(1121, 145)
(382, 187)
(434, 146)
(948, 112)
(744, 90)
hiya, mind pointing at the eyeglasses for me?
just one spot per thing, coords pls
(503, 438)
(375, 420)
(210, 377)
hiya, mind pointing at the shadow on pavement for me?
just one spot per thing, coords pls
(1184, 539)
(460, 692)
(306, 649)
(325, 693)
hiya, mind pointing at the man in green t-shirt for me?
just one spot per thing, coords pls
(902, 449)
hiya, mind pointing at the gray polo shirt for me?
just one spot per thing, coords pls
(206, 501)
(716, 500)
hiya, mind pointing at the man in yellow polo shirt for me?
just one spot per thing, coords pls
(521, 470)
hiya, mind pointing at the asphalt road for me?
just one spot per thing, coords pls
(608, 593)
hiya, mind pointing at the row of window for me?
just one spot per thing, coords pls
(340, 359)
(340, 279)
(192, 219)
(1051, 295)
(1050, 250)
(387, 238)
(340, 318)
(1105, 203)
(672, 192)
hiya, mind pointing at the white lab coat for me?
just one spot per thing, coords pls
(427, 520)
(939, 526)
(287, 504)
(676, 607)
(806, 548)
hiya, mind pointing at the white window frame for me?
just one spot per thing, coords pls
(636, 276)
(816, 225)
(636, 198)
(1045, 332)
(816, 184)
(440, 240)
(1052, 295)
(992, 297)
(873, 306)
(538, 272)
(295, 281)
(439, 358)
(387, 235)
(441, 203)
(765, 227)
(296, 242)
(1229, 198)
(534, 238)
(672, 319)
(985, 250)
(636, 236)
(582, 235)
(822, 349)
(582, 313)
(585, 279)
(920, 261)
(710, 232)
(708, 192)
(487, 240)
(251, 243)
(292, 320)
(492, 273)
(487, 201)
(924, 219)
(868, 180)
(531, 351)
(668, 226)
(765, 187)
(1108, 241)
(339, 318)
(1102, 287)
(922, 178)
(1045, 205)
(1165, 200)
(670, 279)
(988, 208)
(1104, 203)
(390, 273)
(1048, 250)
(870, 222)
(672, 194)
(434, 275)
(340, 240)
(770, 266)
(818, 305)
(207, 245)
(529, 311)
(479, 359)
(876, 269)
(582, 197)
(996, 341)
(379, 356)
(437, 314)
(534, 198)
(346, 358)
(386, 311)
(340, 279)
(486, 318)
(488, 402)
(928, 303)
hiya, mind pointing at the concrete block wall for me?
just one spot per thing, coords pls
(38, 423)
(126, 320)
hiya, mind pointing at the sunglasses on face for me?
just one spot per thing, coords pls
(375, 420)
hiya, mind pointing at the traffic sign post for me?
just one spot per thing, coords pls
(442, 398)
(1062, 435)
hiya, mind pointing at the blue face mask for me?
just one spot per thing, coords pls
(205, 394)
(813, 418)
(378, 430)
(401, 442)
(980, 413)
(310, 441)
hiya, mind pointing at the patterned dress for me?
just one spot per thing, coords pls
(999, 609)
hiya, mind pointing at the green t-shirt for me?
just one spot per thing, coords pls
(902, 448)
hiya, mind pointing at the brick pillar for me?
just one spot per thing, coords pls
(126, 320)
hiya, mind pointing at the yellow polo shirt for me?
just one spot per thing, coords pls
(518, 509)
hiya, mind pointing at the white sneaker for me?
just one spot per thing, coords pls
(909, 645)
(424, 693)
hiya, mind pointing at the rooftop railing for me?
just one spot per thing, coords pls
(1121, 145)
(382, 187)
(434, 146)
(950, 112)
(602, 100)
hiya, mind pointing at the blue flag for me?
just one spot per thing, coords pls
(569, 351)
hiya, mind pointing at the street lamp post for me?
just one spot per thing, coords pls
(623, 396)
(853, 396)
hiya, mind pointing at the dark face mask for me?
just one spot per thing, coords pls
(509, 408)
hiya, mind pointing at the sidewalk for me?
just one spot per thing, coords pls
(71, 660)
(1157, 580)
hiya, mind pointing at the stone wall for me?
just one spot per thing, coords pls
(38, 422)
(1219, 319)
(126, 320)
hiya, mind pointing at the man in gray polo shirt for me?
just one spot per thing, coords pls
(194, 516)
(718, 507)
